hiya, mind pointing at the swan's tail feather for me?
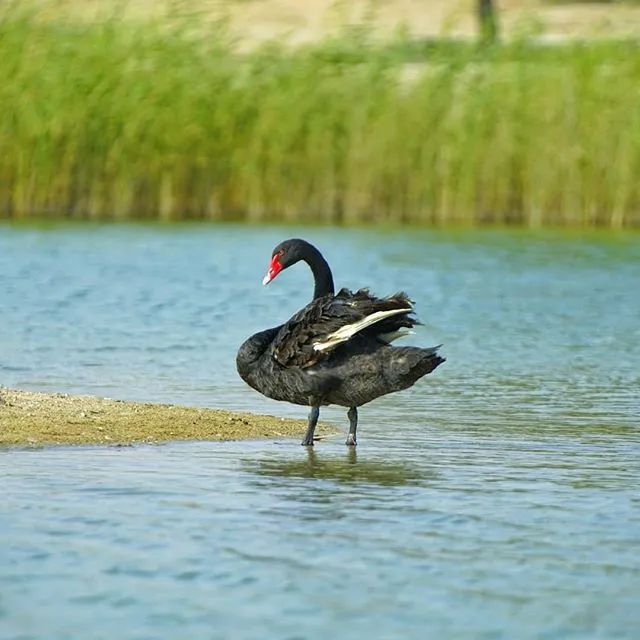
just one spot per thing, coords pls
(409, 364)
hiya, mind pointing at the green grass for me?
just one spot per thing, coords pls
(162, 120)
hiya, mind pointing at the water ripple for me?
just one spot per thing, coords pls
(496, 499)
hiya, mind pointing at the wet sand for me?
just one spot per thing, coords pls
(35, 419)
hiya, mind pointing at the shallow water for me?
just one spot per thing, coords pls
(496, 499)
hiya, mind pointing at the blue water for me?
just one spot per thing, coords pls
(499, 498)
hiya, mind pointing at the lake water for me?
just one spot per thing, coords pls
(498, 498)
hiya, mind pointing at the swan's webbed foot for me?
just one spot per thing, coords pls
(352, 414)
(307, 441)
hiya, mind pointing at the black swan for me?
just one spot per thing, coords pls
(336, 349)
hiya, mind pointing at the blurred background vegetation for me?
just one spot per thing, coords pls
(398, 111)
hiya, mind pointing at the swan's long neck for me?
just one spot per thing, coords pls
(321, 273)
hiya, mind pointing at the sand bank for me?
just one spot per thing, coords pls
(28, 418)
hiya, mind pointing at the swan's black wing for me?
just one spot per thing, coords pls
(314, 332)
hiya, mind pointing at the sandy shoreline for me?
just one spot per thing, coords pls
(35, 419)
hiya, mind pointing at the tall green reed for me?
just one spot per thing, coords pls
(162, 119)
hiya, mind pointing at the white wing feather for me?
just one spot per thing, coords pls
(349, 330)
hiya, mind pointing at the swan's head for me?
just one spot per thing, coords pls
(284, 255)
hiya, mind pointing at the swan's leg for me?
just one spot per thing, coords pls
(313, 421)
(352, 414)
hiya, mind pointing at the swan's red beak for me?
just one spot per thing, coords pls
(274, 269)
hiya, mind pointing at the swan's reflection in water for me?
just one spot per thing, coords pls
(345, 468)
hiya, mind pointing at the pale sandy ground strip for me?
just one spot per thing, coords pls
(35, 419)
(303, 21)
